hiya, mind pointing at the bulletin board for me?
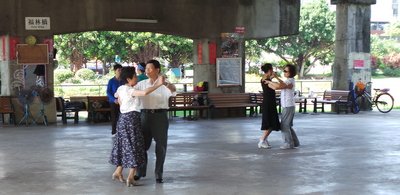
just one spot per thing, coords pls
(32, 54)
(229, 72)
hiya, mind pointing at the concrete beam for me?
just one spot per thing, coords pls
(188, 18)
(367, 2)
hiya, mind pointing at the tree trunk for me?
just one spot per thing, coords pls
(300, 65)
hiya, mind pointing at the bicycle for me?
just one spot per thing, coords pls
(381, 99)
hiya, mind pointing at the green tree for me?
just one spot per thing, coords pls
(253, 53)
(78, 48)
(315, 41)
(142, 46)
(70, 49)
(393, 29)
(384, 53)
(174, 49)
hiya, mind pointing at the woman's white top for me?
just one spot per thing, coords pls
(158, 99)
(287, 95)
(128, 103)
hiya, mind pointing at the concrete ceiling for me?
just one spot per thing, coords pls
(188, 18)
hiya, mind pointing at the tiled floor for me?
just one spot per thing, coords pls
(339, 154)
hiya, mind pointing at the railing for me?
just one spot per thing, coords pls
(304, 86)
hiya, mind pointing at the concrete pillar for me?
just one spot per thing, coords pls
(5, 68)
(352, 53)
(205, 53)
(13, 76)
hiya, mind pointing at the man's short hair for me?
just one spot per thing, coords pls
(117, 66)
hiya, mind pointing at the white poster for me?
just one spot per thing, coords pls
(37, 23)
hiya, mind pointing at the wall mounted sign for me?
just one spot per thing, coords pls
(32, 54)
(37, 23)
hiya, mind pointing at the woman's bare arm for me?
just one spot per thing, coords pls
(160, 81)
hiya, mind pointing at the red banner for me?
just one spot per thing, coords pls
(13, 47)
(212, 49)
(199, 53)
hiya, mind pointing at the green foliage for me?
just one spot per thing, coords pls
(384, 53)
(176, 50)
(61, 75)
(74, 80)
(393, 29)
(391, 72)
(381, 47)
(85, 74)
(254, 70)
(78, 48)
(252, 52)
(315, 40)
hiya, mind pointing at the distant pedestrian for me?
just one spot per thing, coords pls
(141, 74)
(112, 87)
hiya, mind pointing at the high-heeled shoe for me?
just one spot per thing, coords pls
(131, 182)
(118, 177)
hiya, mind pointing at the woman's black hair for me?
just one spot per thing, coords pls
(266, 67)
(155, 63)
(292, 70)
(127, 73)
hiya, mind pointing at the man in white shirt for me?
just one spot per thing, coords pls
(154, 118)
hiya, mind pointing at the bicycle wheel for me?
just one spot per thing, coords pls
(384, 102)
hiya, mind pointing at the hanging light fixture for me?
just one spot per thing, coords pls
(136, 20)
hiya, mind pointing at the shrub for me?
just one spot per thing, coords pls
(60, 75)
(391, 72)
(85, 74)
(392, 60)
(74, 80)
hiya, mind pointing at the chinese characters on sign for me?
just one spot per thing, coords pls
(37, 23)
(358, 64)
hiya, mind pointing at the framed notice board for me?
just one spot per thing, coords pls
(229, 72)
(32, 54)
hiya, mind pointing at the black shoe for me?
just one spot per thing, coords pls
(136, 177)
(159, 180)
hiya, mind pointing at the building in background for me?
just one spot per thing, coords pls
(383, 13)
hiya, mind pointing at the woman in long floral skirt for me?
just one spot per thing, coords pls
(128, 149)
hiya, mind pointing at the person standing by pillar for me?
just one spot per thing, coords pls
(112, 87)
(154, 118)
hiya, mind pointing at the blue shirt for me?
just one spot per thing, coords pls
(112, 87)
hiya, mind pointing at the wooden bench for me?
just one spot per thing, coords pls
(302, 101)
(188, 102)
(258, 98)
(338, 98)
(67, 107)
(99, 109)
(6, 107)
(230, 101)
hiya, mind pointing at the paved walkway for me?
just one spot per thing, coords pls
(339, 154)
